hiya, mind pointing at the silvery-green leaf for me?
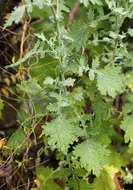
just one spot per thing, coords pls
(130, 32)
(49, 81)
(41, 36)
(91, 74)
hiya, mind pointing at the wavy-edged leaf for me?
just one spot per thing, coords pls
(86, 2)
(15, 16)
(110, 81)
(92, 155)
(79, 35)
(127, 126)
(61, 133)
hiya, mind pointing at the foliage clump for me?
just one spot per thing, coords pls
(73, 82)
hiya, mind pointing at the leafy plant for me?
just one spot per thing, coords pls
(88, 63)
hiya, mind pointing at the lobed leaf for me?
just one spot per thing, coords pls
(92, 154)
(110, 81)
(15, 16)
(127, 126)
(61, 133)
(79, 34)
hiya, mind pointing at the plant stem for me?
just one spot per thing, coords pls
(56, 18)
(57, 8)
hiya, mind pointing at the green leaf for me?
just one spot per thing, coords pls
(46, 178)
(92, 155)
(61, 133)
(64, 173)
(91, 74)
(110, 81)
(128, 106)
(95, 63)
(68, 82)
(86, 2)
(41, 36)
(106, 179)
(83, 65)
(116, 159)
(37, 50)
(63, 7)
(16, 139)
(127, 126)
(39, 3)
(78, 184)
(38, 71)
(29, 5)
(101, 131)
(98, 2)
(111, 4)
(48, 81)
(128, 179)
(101, 109)
(31, 87)
(79, 34)
(130, 32)
(15, 16)
(78, 96)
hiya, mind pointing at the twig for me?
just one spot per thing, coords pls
(117, 103)
(23, 39)
(118, 183)
(72, 13)
(10, 105)
(14, 33)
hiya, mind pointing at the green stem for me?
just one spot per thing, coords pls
(56, 21)
(56, 18)
(117, 32)
(59, 38)
(57, 8)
